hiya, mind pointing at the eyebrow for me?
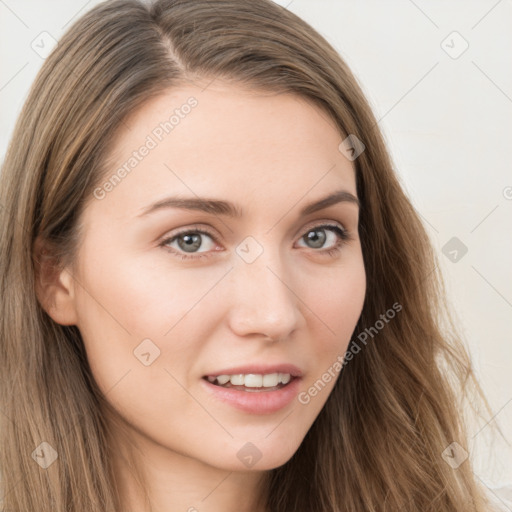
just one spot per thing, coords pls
(220, 207)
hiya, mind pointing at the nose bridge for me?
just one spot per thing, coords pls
(263, 297)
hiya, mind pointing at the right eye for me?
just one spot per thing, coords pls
(188, 242)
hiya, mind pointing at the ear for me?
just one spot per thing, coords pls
(54, 285)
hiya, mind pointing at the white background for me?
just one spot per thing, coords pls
(448, 124)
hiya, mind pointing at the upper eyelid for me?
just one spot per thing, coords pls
(318, 223)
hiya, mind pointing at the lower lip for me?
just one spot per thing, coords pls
(256, 402)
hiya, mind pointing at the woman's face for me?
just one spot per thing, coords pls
(167, 296)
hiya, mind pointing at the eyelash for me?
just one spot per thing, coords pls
(343, 237)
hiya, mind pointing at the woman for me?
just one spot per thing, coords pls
(216, 295)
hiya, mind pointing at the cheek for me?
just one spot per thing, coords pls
(137, 323)
(139, 297)
(338, 302)
(123, 302)
(335, 316)
(120, 303)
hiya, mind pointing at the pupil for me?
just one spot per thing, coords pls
(312, 236)
(191, 242)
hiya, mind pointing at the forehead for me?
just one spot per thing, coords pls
(229, 141)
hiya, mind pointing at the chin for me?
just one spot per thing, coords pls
(260, 455)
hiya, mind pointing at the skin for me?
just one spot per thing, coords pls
(271, 155)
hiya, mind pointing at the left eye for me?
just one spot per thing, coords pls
(337, 233)
(189, 242)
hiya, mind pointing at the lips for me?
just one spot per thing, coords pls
(260, 397)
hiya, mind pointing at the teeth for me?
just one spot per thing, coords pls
(284, 378)
(251, 380)
(237, 380)
(222, 379)
(270, 380)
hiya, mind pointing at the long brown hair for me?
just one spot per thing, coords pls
(377, 444)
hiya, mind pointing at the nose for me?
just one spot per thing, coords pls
(263, 299)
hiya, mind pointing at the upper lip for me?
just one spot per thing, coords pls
(258, 369)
